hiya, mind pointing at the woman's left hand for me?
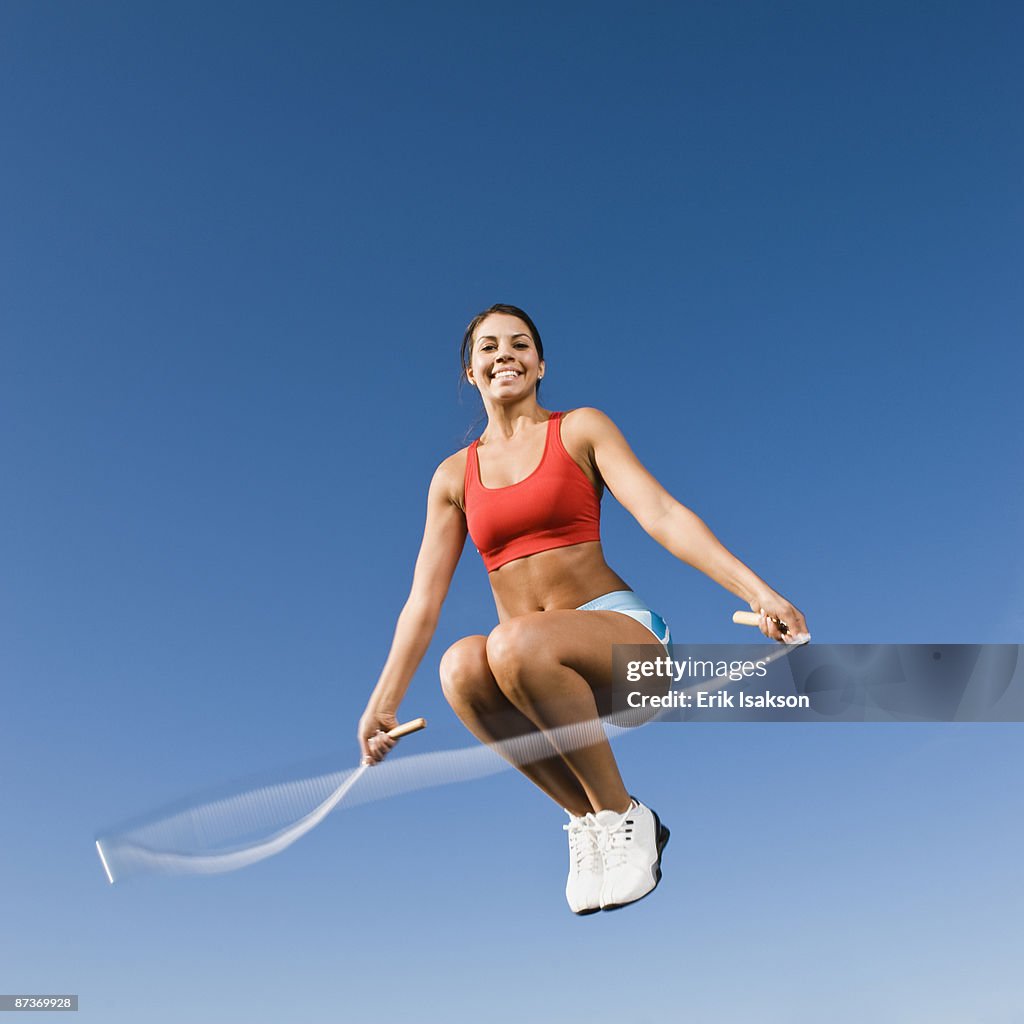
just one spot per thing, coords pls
(779, 620)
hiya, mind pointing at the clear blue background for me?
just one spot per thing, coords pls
(780, 244)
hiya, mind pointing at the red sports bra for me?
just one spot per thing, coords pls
(555, 506)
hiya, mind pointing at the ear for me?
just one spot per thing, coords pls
(540, 373)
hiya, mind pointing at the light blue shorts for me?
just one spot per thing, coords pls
(628, 603)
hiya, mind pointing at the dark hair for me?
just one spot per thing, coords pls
(501, 307)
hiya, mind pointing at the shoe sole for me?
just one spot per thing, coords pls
(663, 837)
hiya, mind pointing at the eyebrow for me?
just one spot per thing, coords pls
(492, 337)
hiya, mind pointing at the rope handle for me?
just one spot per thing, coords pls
(407, 727)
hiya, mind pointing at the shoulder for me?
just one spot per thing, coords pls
(587, 426)
(449, 478)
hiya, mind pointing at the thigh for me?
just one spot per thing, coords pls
(580, 640)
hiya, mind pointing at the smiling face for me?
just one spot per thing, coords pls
(504, 362)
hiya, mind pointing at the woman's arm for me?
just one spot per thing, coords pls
(444, 536)
(674, 526)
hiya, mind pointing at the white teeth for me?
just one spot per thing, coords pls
(506, 374)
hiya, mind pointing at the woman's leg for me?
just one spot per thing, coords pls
(471, 689)
(555, 667)
(534, 676)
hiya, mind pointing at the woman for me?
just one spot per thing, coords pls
(528, 492)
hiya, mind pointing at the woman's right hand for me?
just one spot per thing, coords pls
(374, 741)
(774, 611)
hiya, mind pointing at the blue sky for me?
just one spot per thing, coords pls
(779, 244)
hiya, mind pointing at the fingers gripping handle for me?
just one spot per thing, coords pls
(404, 729)
(753, 619)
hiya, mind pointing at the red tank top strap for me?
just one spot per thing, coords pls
(472, 474)
(555, 430)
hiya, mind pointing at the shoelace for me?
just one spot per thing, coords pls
(613, 842)
(585, 843)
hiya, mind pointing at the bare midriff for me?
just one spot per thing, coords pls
(558, 578)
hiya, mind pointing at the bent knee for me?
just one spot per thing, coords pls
(514, 647)
(464, 671)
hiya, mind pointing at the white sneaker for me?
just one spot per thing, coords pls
(631, 846)
(586, 865)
